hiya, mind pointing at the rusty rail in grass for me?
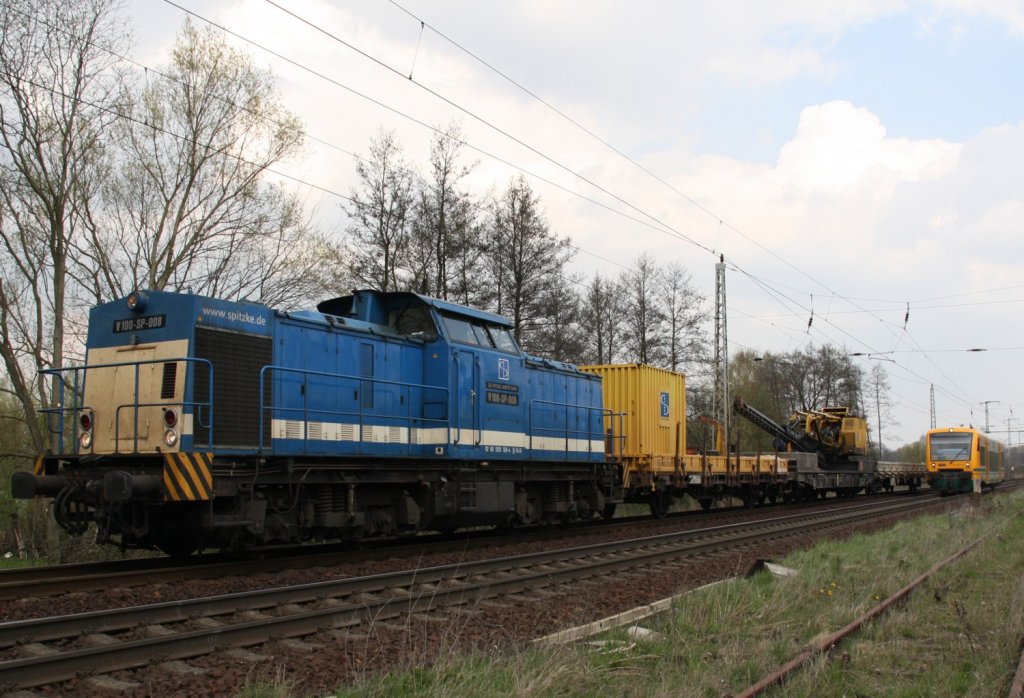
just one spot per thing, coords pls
(825, 642)
(1017, 686)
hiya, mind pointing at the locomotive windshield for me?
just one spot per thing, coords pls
(413, 320)
(478, 332)
(951, 446)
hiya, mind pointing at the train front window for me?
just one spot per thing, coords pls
(413, 320)
(459, 330)
(951, 446)
(502, 339)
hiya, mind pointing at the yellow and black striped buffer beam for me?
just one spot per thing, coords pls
(188, 477)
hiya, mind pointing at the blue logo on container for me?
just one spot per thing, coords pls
(664, 405)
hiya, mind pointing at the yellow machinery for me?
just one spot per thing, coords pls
(837, 432)
(834, 433)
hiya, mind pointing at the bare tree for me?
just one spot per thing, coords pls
(445, 249)
(380, 212)
(643, 323)
(190, 206)
(601, 315)
(685, 316)
(525, 258)
(57, 88)
(876, 390)
(817, 377)
(556, 332)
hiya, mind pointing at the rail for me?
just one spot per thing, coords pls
(78, 407)
(362, 415)
(306, 609)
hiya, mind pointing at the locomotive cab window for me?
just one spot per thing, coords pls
(951, 446)
(414, 321)
(459, 330)
(481, 334)
(502, 339)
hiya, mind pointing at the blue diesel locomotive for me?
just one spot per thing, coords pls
(203, 423)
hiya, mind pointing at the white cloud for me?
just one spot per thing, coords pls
(1007, 12)
(839, 147)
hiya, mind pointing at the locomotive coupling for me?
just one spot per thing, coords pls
(120, 486)
(26, 485)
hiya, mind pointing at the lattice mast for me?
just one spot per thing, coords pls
(720, 399)
(932, 390)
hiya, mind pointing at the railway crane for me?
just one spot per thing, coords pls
(835, 434)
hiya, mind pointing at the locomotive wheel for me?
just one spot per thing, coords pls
(705, 503)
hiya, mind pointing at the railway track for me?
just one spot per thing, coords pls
(50, 650)
(88, 577)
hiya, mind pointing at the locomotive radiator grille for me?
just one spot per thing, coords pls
(237, 360)
(188, 477)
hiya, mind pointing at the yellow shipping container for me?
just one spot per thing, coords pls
(653, 402)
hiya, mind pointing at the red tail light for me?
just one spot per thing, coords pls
(170, 418)
(86, 421)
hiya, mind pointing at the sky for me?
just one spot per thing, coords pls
(858, 162)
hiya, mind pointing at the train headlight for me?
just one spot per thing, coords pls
(86, 421)
(85, 440)
(170, 418)
(136, 301)
(170, 438)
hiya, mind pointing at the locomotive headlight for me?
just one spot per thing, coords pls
(170, 418)
(86, 421)
(136, 301)
(85, 440)
(170, 437)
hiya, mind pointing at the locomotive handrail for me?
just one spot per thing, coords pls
(605, 412)
(78, 393)
(614, 445)
(360, 414)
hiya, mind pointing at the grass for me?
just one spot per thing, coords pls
(10, 563)
(958, 635)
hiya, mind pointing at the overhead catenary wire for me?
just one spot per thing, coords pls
(669, 230)
(640, 166)
(896, 337)
(541, 179)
